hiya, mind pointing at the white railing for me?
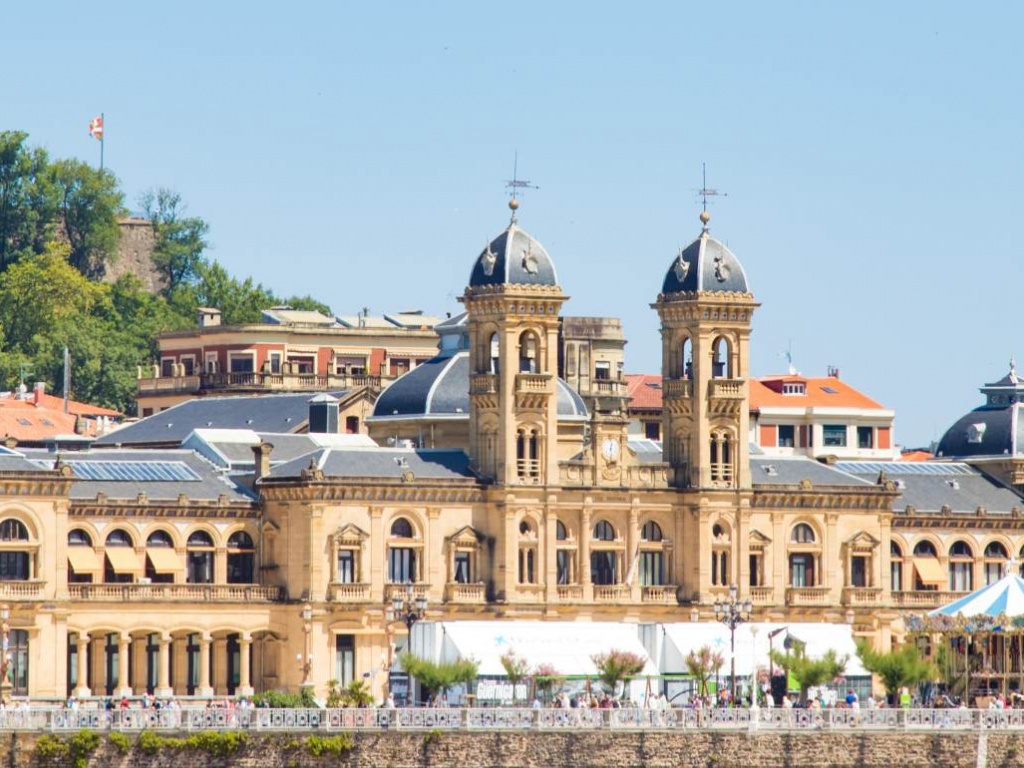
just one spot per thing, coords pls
(496, 718)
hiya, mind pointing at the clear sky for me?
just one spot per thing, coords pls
(871, 151)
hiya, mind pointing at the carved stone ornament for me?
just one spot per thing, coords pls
(681, 268)
(721, 269)
(490, 258)
(530, 263)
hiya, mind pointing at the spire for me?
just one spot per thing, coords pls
(514, 184)
(705, 192)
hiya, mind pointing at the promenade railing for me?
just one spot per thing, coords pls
(626, 719)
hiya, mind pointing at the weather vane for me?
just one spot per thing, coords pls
(705, 192)
(514, 185)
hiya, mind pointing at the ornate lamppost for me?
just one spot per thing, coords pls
(5, 659)
(406, 608)
(732, 612)
(305, 659)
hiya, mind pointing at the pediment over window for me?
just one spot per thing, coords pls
(467, 536)
(862, 541)
(270, 528)
(349, 534)
(758, 540)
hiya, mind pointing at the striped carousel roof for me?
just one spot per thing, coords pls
(1003, 597)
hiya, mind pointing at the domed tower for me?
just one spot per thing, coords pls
(706, 309)
(513, 302)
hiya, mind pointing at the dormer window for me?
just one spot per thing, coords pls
(794, 388)
(976, 432)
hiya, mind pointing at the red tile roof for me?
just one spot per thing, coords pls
(644, 391)
(917, 455)
(27, 422)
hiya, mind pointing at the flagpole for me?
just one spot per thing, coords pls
(103, 138)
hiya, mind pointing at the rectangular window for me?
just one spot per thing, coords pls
(786, 436)
(462, 568)
(602, 568)
(833, 435)
(960, 577)
(13, 566)
(167, 367)
(896, 577)
(801, 571)
(602, 370)
(401, 565)
(755, 570)
(562, 563)
(302, 364)
(275, 362)
(241, 363)
(188, 365)
(399, 366)
(865, 437)
(652, 569)
(346, 566)
(858, 571)
(652, 430)
(344, 659)
(352, 366)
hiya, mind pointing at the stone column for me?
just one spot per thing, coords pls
(204, 688)
(583, 552)
(124, 647)
(163, 684)
(82, 644)
(244, 652)
(633, 552)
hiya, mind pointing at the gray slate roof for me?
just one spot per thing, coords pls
(790, 470)
(515, 258)
(930, 486)
(705, 265)
(386, 463)
(440, 387)
(985, 431)
(260, 413)
(205, 482)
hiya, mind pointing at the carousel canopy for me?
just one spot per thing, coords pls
(1004, 597)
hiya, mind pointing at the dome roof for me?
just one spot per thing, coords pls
(705, 265)
(513, 258)
(439, 388)
(994, 429)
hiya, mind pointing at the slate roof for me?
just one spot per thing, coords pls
(232, 448)
(439, 387)
(930, 486)
(985, 431)
(790, 470)
(515, 258)
(205, 482)
(704, 265)
(16, 462)
(385, 463)
(260, 413)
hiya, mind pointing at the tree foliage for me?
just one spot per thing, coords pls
(89, 203)
(901, 667)
(439, 677)
(180, 239)
(810, 671)
(702, 664)
(27, 203)
(615, 666)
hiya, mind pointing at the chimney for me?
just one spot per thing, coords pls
(261, 456)
(208, 317)
(833, 372)
(37, 392)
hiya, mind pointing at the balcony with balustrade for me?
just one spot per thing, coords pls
(349, 593)
(196, 593)
(21, 590)
(664, 594)
(465, 594)
(862, 596)
(254, 381)
(726, 396)
(925, 598)
(807, 596)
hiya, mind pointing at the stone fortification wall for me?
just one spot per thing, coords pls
(135, 254)
(653, 749)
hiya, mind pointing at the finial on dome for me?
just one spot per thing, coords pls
(513, 205)
(515, 184)
(705, 217)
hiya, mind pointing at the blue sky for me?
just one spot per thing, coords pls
(871, 151)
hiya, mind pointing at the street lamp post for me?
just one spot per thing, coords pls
(732, 612)
(5, 659)
(305, 659)
(405, 608)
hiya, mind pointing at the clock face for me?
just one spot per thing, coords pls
(610, 449)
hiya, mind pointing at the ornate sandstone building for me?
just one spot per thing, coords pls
(252, 558)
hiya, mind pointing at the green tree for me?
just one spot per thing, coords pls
(180, 239)
(615, 666)
(544, 678)
(28, 204)
(516, 670)
(439, 677)
(810, 671)
(702, 664)
(901, 667)
(89, 204)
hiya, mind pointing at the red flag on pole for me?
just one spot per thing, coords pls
(96, 127)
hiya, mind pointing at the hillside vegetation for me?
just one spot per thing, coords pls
(58, 233)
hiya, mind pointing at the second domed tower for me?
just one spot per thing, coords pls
(513, 302)
(705, 307)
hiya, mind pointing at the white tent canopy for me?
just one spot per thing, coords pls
(751, 644)
(566, 645)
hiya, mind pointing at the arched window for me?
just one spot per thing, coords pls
(15, 559)
(995, 559)
(961, 567)
(603, 531)
(721, 458)
(494, 350)
(241, 558)
(529, 353)
(605, 555)
(721, 546)
(686, 359)
(121, 565)
(79, 538)
(721, 359)
(561, 534)
(803, 534)
(895, 567)
(565, 556)
(650, 531)
(527, 454)
(13, 530)
(161, 560)
(199, 558)
(17, 652)
(527, 553)
(925, 549)
(402, 554)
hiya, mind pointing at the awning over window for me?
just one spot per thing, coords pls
(124, 560)
(164, 560)
(84, 559)
(929, 570)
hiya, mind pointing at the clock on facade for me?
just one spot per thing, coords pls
(610, 449)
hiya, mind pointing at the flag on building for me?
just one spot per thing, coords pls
(96, 127)
(633, 564)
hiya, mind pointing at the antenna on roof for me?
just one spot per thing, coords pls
(788, 354)
(514, 184)
(705, 192)
(363, 314)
